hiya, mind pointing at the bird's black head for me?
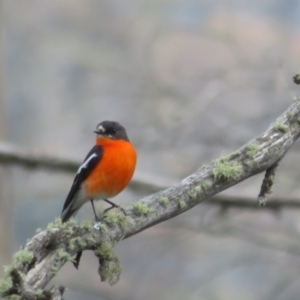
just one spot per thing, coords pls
(111, 130)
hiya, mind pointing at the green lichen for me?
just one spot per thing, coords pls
(20, 260)
(22, 257)
(54, 270)
(39, 292)
(58, 224)
(81, 242)
(164, 201)
(110, 271)
(295, 98)
(227, 170)
(298, 120)
(194, 192)
(181, 204)
(71, 244)
(14, 297)
(116, 217)
(76, 241)
(109, 268)
(55, 225)
(237, 152)
(204, 166)
(252, 150)
(91, 240)
(5, 285)
(69, 231)
(38, 230)
(280, 127)
(105, 251)
(8, 269)
(206, 184)
(64, 255)
(140, 208)
(87, 225)
(103, 227)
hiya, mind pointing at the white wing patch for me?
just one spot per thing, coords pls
(85, 164)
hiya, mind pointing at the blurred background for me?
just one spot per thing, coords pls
(190, 80)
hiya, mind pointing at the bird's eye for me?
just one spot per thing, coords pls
(113, 130)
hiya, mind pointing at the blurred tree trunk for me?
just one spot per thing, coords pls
(6, 204)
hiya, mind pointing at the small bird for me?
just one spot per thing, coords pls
(105, 172)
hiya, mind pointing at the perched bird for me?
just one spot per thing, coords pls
(105, 172)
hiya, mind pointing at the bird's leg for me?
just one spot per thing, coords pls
(113, 205)
(96, 217)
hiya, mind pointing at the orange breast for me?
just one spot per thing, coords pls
(115, 170)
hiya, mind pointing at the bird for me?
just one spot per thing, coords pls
(105, 172)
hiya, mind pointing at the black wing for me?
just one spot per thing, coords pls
(88, 165)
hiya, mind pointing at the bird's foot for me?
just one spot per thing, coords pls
(116, 206)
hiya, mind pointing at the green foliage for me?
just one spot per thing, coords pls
(226, 169)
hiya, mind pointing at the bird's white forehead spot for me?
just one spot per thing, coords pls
(101, 128)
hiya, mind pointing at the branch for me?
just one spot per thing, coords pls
(145, 183)
(49, 250)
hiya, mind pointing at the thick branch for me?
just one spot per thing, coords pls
(270, 147)
(10, 155)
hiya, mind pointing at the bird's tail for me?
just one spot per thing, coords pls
(72, 204)
(67, 213)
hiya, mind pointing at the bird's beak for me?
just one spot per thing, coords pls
(96, 131)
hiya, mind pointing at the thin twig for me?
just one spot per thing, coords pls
(266, 186)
